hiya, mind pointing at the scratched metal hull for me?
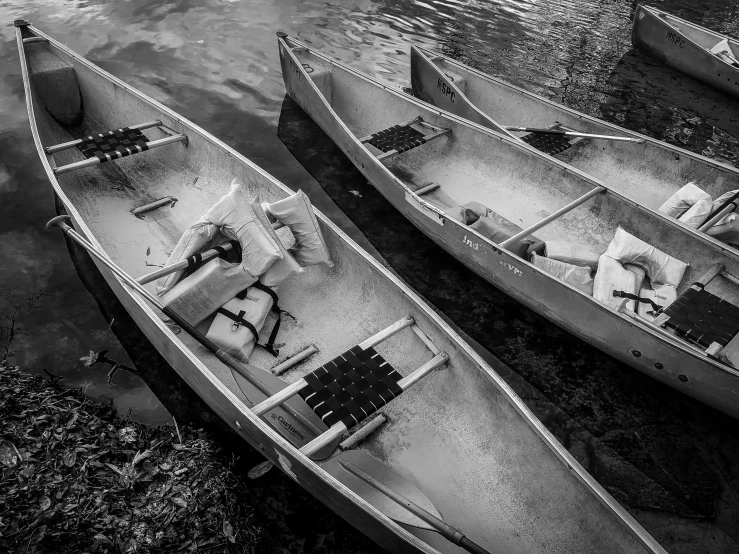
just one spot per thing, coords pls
(347, 104)
(684, 46)
(649, 172)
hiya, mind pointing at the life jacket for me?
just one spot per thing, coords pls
(296, 213)
(192, 241)
(200, 294)
(235, 216)
(574, 253)
(283, 268)
(622, 270)
(236, 326)
(577, 276)
(690, 204)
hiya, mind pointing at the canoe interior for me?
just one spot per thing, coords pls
(649, 173)
(458, 435)
(514, 182)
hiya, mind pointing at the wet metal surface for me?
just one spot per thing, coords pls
(671, 461)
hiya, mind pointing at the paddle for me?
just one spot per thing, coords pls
(197, 258)
(572, 134)
(393, 495)
(294, 418)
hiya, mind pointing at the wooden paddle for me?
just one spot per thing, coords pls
(572, 134)
(294, 419)
(393, 495)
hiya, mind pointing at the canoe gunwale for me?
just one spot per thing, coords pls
(724, 248)
(248, 416)
(559, 450)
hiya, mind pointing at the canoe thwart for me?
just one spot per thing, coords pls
(403, 137)
(113, 145)
(31, 40)
(339, 428)
(556, 215)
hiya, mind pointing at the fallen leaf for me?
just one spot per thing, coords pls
(8, 456)
(69, 459)
(148, 250)
(44, 504)
(181, 503)
(228, 530)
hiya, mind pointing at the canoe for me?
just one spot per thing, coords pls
(457, 440)
(454, 162)
(704, 54)
(648, 171)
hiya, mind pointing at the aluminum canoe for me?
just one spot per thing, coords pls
(685, 46)
(474, 163)
(462, 436)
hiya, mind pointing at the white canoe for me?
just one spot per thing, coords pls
(704, 54)
(466, 162)
(461, 435)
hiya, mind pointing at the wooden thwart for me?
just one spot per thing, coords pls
(547, 220)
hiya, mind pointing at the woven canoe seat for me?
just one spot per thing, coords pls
(114, 144)
(398, 137)
(351, 387)
(702, 317)
(549, 144)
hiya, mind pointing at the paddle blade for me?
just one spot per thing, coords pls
(281, 418)
(388, 477)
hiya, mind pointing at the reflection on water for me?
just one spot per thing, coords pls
(215, 61)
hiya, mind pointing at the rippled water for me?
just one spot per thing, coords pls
(215, 62)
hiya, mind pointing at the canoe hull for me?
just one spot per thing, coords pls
(655, 36)
(613, 333)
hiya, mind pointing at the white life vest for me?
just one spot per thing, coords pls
(661, 268)
(612, 276)
(577, 276)
(236, 326)
(192, 241)
(281, 269)
(200, 294)
(296, 212)
(654, 300)
(237, 220)
(690, 204)
(574, 253)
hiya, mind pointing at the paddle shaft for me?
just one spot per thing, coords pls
(447, 531)
(572, 134)
(226, 358)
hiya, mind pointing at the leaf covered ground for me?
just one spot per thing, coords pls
(75, 478)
